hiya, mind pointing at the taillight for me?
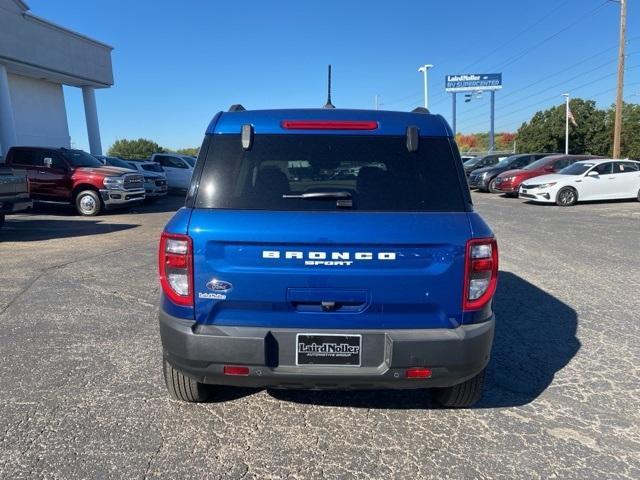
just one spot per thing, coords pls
(480, 272)
(329, 125)
(176, 268)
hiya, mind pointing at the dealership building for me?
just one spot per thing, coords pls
(37, 58)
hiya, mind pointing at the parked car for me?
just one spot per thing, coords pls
(155, 183)
(331, 283)
(509, 182)
(14, 191)
(587, 180)
(484, 179)
(481, 162)
(466, 158)
(77, 178)
(177, 169)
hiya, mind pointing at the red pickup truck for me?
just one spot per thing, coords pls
(77, 178)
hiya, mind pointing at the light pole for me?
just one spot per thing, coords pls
(566, 125)
(425, 69)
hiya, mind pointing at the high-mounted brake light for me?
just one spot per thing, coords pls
(480, 273)
(175, 265)
(329, 125)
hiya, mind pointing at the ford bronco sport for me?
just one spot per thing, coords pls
(327, 249)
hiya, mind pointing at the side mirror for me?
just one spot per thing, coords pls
(593, 173)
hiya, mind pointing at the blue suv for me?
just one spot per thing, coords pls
(327, 249)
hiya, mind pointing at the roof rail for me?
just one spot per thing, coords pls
(236, 107)
(420, 110)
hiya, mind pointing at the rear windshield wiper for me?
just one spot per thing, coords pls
(319, 195)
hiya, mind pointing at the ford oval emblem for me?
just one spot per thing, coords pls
(219, 285)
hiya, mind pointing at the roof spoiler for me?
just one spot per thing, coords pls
(236, 107)
(420, 110)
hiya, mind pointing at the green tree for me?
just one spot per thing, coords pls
(630, 135)
(545, 132)
(140, 148)
(193, 151)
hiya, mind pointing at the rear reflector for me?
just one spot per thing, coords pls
(329, 125)
(418, 372)
(233, 370)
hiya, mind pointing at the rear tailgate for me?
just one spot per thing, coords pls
(328, 269)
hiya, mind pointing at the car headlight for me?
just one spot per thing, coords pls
(113, 183)
(547, 185)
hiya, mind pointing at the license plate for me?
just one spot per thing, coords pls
(328, 349)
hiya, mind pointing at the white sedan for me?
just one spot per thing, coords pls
(587, 180)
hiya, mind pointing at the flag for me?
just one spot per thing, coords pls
(571, 117)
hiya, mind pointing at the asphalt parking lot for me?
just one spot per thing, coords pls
(82, 394)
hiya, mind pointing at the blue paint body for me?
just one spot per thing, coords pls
(422, 288)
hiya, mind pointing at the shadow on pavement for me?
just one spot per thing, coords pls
(37, 229)
(535, 338)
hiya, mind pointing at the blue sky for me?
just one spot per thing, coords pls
(177, 63)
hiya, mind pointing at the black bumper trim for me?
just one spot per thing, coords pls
(201, 351)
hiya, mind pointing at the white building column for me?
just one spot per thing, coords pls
(91, 115)
(7, 125)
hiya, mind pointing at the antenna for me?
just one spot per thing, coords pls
(329, 104)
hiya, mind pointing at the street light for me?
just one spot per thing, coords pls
(425, 69)
(566, 125)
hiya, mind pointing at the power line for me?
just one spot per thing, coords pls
(529, 28)
(524, 52)
(555, 96)
(564, 82)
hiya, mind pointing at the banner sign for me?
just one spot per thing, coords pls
(473, 82)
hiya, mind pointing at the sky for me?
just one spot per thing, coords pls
(178, 63)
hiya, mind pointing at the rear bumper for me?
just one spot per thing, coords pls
(115, 198)
(201, 351)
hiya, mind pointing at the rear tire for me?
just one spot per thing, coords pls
(88, 203)
(567, 197)
(463, 395)
(492, 186)
(184, 388)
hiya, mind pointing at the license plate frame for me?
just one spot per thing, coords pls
(330, 350)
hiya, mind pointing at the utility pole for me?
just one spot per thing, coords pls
(425, 69)
(617, 129)
(492, 142)
(453, 112)
(566, 124)
(377, 102)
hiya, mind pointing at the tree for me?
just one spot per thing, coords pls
(630, 136)
(545, 132)
(193, 151)
(140, 148)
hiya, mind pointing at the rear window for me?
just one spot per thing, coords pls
(369, 173)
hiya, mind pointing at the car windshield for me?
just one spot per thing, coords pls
(152, 167)
(116, 162)
(190, 160)
(576, 169)
(537, 164)
(329, 172)
(472, 161)
(505, 162)
(79, 158)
